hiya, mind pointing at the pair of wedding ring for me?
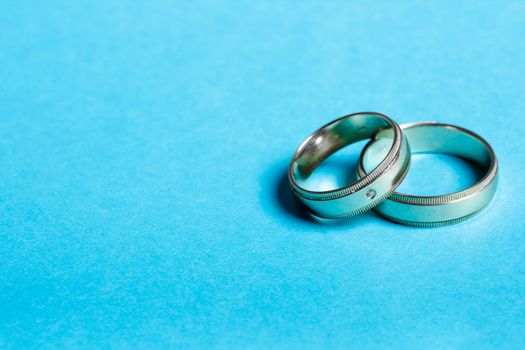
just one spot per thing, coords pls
(383, 165)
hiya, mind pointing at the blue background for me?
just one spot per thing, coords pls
(143, 197)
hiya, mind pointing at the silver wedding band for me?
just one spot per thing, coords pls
(446, 209)
(383, 165)
(368, 191)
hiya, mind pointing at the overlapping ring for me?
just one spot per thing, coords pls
(383, 165)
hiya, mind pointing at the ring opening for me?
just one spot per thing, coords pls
(332, 138)
(476, 159)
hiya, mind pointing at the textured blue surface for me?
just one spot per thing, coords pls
(143, 151)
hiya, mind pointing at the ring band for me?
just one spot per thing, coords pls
(368, 191)
(433, 211)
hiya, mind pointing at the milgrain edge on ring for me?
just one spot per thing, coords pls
(446, 209)
(366, 192)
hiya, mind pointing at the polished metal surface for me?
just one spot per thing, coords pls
(368, 191)
(446, 209)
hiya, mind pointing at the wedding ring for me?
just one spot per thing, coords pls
(446, 209)
(368, 191)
